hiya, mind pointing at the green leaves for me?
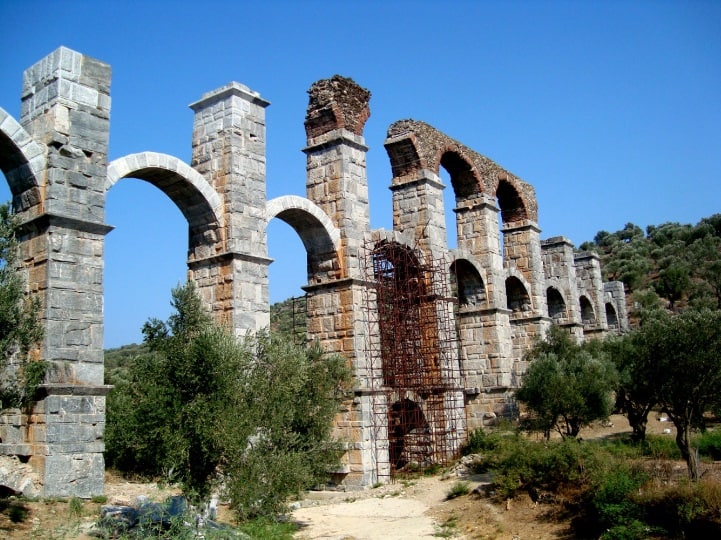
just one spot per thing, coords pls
(20, 327)
(679, 262)
(206, 410)
(567, 385)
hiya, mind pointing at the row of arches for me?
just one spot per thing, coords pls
(471, 293)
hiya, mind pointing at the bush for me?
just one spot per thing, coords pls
(709, 444)
(458, 489)
(478, 441)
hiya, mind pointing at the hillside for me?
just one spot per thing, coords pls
(670, 265)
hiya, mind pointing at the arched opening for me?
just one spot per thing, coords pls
(588, 316)
(556, 305)
(611, 316)
(145, 257)
(287, 274)
(517, 299)
(467, 284)
(307, 236)
(510, 203)
(409, 436)
(456, 172)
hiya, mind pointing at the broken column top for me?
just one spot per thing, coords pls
(336, 103)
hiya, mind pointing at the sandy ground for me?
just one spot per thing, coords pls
(397, 511)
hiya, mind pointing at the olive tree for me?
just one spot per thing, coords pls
(251, 418)
(567, 386)
(20, 327)
(682, 357)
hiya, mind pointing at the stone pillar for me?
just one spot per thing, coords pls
(229, 151)
(418, 211)
(66, 109)
(590, 285)
(522, 253)
(484, 331)
(337, 182)
(615, 294)
(560, 270)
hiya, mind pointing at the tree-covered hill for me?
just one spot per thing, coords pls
(673, 265)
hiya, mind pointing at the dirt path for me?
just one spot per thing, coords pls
(393, 512)
(419, 509)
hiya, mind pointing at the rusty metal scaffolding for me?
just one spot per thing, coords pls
(418, 407)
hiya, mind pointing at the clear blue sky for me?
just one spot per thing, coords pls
(611, 109)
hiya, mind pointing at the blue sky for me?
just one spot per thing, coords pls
(612, 110)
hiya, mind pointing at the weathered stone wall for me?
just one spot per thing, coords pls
(509, 285)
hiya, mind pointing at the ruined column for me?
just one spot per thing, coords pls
(484, 329)
(590, 288)
(66, 109)
(229, 151)
(337, 182)
(562, 284)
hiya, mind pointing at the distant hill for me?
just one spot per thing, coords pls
(673, 265)
(287, 317)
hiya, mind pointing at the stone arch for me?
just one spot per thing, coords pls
(517, 297)
(413, 145)
(557, 310)
(588, 315)
(470, 288)
(187, 188)
(513, 207)
(464, 180)
(408, 431)
(611, 316)
(22, 161)
(320, 237)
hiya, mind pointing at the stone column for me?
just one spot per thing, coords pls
(484, 331)
(337, 308)
(418, 211)
(229, 151)
(560, 270)
(590, 284)
(66, 109)
(615, 294)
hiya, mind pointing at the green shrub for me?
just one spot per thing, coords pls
(478, 441)
(613, 497)
(458, 489)
(709, 444)
(660, 447)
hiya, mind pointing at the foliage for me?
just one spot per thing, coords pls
(567, 385)
(478, 441)
(616, 510)
(606, 484)
(209, 411)
(288, 318)
(637, 393)
(681, 356)
(117, 361)
(458, 489)
(680, 263)
(20, 328)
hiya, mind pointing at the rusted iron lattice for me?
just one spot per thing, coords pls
(414, 372)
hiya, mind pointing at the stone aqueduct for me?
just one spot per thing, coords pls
(507, 284)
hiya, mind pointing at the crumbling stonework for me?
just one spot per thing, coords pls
(501, 288)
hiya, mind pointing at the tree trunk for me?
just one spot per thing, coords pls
(683, 441)
(637, 418)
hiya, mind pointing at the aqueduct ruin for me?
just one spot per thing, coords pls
(435, 336)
